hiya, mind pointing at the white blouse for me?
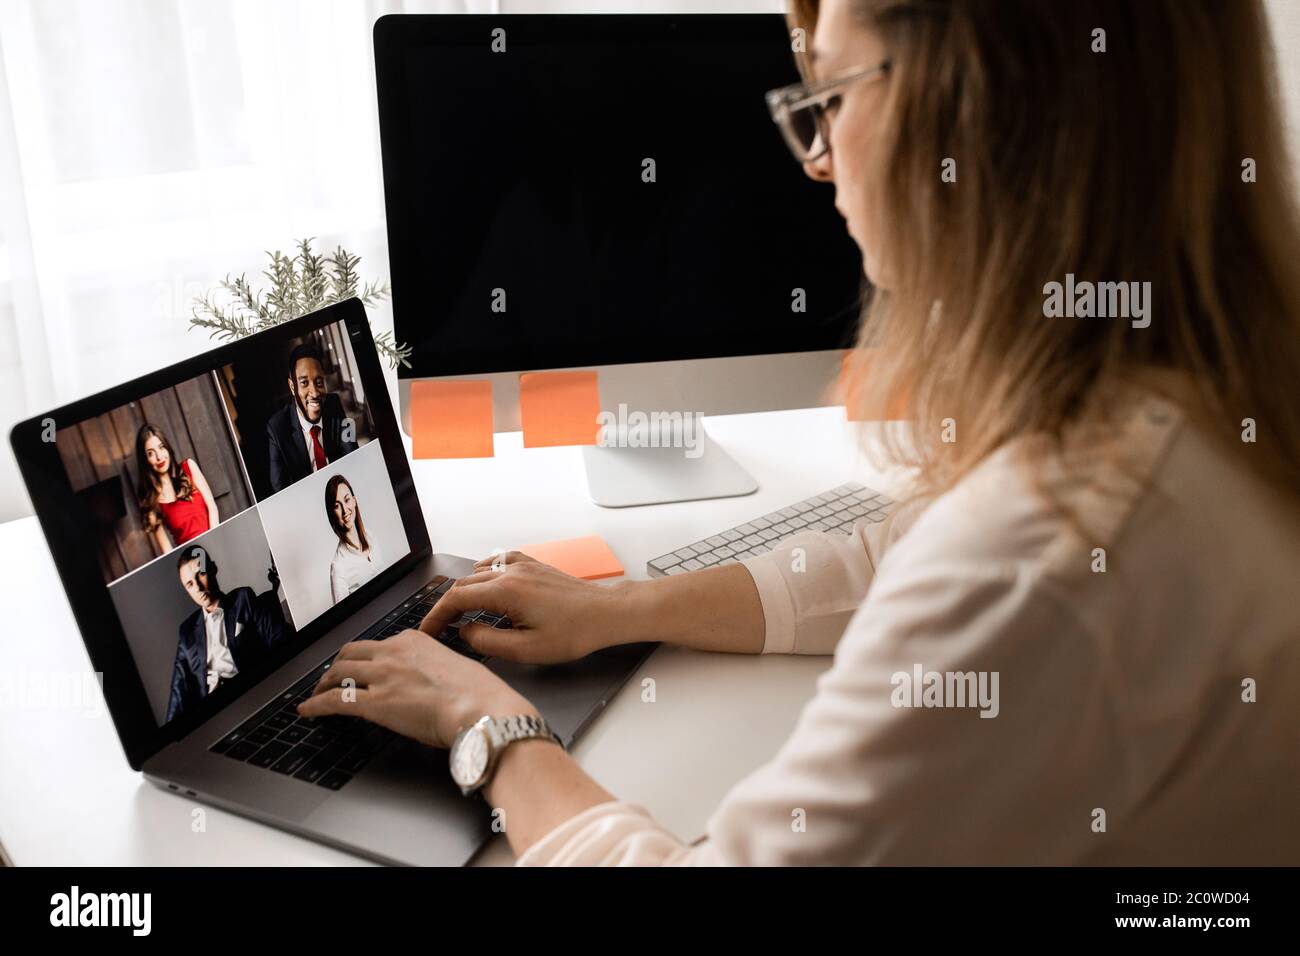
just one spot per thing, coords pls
(351, 568)
(1147, 705)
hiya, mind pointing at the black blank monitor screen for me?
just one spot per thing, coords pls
(606, 189)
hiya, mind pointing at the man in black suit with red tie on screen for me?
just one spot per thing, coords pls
(311, 431)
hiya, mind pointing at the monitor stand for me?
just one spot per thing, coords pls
(622, 471)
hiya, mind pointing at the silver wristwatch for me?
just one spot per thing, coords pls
(477, 749)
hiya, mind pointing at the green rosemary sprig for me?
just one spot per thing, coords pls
(297, 284)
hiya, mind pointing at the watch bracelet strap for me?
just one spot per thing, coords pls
(507, 730)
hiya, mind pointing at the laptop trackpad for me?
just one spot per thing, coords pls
(404, 808)
(568, 695)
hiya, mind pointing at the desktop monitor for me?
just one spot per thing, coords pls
(608, 192)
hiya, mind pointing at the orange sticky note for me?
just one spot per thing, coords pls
(588, 557)
(451, 419)
(854, 368)
(559, 408)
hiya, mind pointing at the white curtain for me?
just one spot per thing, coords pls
(150, 147)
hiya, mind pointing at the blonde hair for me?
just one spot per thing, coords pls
(1125, 165)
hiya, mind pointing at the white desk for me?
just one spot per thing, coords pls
(67, 796)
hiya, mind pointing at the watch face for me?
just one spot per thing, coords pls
(469, 757)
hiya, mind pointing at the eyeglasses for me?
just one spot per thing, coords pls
(801, 110)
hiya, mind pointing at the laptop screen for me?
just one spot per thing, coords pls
(231, 509)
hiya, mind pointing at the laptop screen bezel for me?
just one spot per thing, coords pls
(101, 630)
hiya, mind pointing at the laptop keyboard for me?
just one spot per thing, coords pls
(835, 511)
(330, 751)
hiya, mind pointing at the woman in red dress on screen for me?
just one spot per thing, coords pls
(176, 504)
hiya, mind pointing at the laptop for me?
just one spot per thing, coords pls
(222, 527)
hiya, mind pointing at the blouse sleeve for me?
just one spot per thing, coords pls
(814, 582)
(873, 775)
(338, 590)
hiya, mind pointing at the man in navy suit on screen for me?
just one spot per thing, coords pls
(229, 633)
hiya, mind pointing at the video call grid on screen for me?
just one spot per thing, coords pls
(235, 463)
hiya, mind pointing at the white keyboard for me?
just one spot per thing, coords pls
(836, 511)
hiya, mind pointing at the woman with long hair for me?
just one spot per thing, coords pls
(1077, 641)
(176, 504)
(356, 558)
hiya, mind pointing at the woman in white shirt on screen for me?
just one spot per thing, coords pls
(1106, 518)
(356, 558)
